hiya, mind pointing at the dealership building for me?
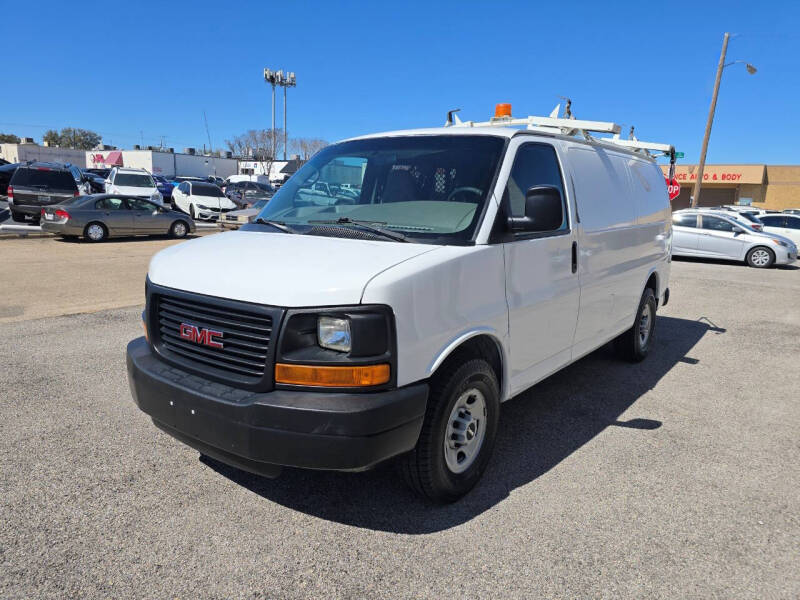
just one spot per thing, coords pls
(164, 162)
(773, 187)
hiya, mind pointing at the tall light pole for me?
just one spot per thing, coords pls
(273, 78)
(288, 81)
(701, 165)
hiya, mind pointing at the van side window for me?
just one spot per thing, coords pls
(534, 164)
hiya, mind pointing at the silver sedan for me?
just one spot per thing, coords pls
(706, 234)
(101, 216)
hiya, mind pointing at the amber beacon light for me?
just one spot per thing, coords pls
(502, 110)
(351, 376)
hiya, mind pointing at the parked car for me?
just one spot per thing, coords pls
(201, 200)
(96, 182)
(339, 337)
(38, 184)
(100, 216)
(218, 181)
(164, 187)
(745, 218)
(133, 182)
(181, 178)
(247, 193)
(6, 172)
(786, 225)
(792, 211)
(243, 216)
(703, 233)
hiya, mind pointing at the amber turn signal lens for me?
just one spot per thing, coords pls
(332, 376)
(502, 110)
(146, 335)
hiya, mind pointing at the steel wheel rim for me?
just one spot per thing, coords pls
(760, 258)
(466, 430)
(95, 232)
(180, 229)
(645, 323)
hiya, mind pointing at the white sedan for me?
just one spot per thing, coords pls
(201, 200)
(787, 225)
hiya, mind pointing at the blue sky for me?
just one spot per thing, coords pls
(136, 71)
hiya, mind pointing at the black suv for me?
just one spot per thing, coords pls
(38, 184)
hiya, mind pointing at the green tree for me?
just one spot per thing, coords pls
(51, 137)
(8, 138)
(72, 137)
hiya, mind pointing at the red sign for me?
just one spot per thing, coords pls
(673, 187)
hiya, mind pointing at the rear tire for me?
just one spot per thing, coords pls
(634, 345)
(458, 432)
(17, 217)
(179, 229)
(95, 232)
(760, 257)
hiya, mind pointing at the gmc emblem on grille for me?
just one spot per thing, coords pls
(202, 336)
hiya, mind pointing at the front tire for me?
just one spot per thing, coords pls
(179, 229)
(634, 345)
(95, 232)
(458, 432)
(760, 257)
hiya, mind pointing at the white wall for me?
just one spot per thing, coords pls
(21, 152)
(169, 164)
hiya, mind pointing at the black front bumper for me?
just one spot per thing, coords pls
(259, 432)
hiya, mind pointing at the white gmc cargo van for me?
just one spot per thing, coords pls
(338, 331)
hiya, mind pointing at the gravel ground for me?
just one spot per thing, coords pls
(677, 477)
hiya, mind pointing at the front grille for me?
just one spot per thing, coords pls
(245, 338)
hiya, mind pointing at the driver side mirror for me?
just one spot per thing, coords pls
(544, 210)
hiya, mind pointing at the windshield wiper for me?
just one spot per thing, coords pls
(280, 225)
(368, 225)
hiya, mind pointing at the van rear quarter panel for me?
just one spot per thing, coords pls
(439, 299)
(622, 238)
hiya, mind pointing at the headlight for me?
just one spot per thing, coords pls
(781, 242)
(203, 206)
(334, 334)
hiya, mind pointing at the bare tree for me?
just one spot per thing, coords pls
(307, 147)
(258, 145)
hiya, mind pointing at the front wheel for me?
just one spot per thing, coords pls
(458, 432)
(634, 344)
(760, 257)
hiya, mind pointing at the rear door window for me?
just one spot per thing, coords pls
(792, 223)
(774, 221)
(110, 204)
(44, 178)
(717, 224)
(685, 220)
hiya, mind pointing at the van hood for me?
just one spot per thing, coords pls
(279, 269)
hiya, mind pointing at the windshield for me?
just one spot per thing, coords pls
(206, 190)
(429, 188)
(134, 180)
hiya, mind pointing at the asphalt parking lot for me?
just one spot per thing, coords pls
(676, 477)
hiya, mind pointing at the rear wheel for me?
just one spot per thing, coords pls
(634, 344)
(458, 432)
(179, 229)
(18, 217)
(95, 232)
(760, 257)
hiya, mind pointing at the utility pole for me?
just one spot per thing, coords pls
(701, 165)
(289, 81)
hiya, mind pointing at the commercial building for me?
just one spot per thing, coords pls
(28, 150)
(278, 171)
(773, 187)
(164, 162)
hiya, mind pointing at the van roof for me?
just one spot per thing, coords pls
(506, 132)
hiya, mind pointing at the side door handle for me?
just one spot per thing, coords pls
(574, 257)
